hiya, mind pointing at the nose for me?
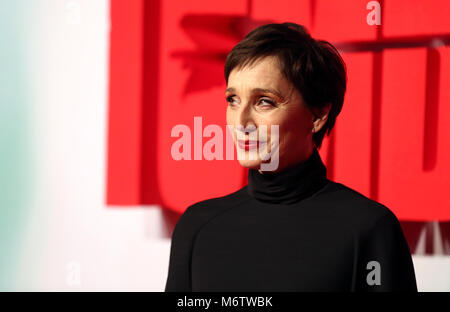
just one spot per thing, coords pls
(245, 121)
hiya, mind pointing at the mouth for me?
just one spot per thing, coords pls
(249, 144)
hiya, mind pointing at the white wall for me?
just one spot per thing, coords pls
(72, 240)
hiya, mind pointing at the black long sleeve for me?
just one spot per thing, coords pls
(290, 231)
(178, 278)
(387, 245)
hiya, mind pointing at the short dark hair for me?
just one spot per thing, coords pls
(314, 67)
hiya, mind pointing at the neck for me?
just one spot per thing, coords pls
(291, 163)
(291, 184)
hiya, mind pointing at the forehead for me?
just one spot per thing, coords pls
(263, 73)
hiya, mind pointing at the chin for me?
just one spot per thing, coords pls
(252, 160)
(250, 164)
(248, 159)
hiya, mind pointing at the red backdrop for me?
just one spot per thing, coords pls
(391, 141)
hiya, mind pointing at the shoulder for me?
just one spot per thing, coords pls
(211, 206)
(200, 213)
(360, 210)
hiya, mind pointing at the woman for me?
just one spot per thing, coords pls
(289, 229)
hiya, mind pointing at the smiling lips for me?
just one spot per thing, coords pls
(249, 145)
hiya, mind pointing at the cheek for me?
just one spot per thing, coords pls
(287, 126)
(231, 121)
(293, 130)
(299, 123)
(229, 117)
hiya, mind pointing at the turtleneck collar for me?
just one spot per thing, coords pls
(291, 184)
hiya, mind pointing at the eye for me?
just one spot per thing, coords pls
(230, 99)
(265, 102)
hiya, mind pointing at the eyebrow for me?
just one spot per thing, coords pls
(260, 90)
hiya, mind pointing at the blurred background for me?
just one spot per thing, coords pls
(89, 93)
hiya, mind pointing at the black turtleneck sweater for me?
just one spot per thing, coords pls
(292, 230)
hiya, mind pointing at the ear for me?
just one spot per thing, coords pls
(320, 117)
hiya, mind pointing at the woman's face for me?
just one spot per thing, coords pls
(260, 95)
